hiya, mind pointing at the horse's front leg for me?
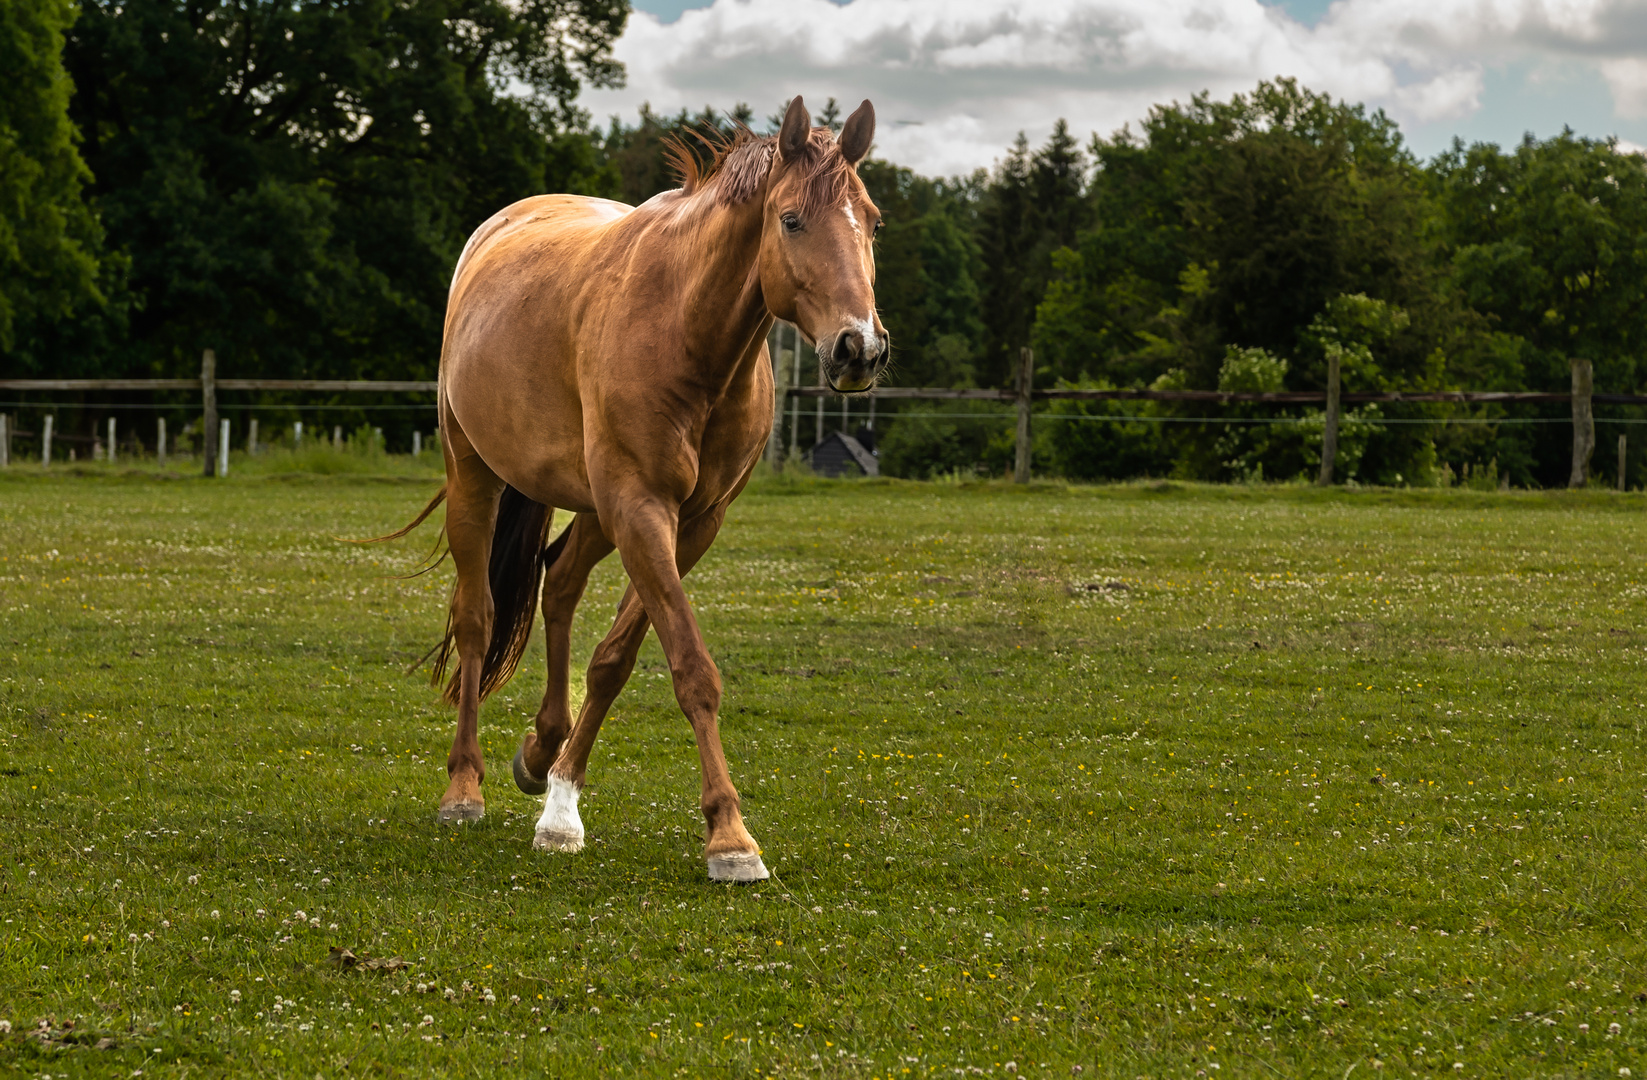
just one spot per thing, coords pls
(656, 551)
(570, 559)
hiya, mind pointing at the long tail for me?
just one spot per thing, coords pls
(440, 497)
(515, 573)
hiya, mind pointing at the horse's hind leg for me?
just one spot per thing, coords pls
(582, 546)
(471, 515)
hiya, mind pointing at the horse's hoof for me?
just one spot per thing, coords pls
(740, 868)
(524, 780)
(559, 828)
(462, 813)
(557, 840)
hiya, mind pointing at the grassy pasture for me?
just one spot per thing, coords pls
(1150, 780)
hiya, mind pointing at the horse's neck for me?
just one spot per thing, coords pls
(720, 292)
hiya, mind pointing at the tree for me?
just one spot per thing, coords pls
(927, 267)
(831, 116)
(1007, 244)
(294, 182)
(50, 240)
(1233, 223)
(1550, 241)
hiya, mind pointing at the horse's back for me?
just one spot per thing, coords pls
(559, 220)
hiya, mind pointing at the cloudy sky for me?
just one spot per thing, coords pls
(954, 80)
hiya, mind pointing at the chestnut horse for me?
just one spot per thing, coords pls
(611, 361)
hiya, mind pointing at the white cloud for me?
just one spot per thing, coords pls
(1627, 79)
(964, 76)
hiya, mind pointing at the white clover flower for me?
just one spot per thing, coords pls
(234, 996)
(216, 914)
(194, 879)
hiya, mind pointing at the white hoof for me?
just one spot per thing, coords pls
(740, 867)
(549, 840)
(559, 828)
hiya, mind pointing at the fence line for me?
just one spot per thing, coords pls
(787, 379)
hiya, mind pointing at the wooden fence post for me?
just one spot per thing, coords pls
(251, 438)
(1026, 372)
(1621, 448)
(417, 444)
(337, 436)
(1584, 424)
(45, 440)
(297, 434)
(208, 393)
(1329, 432)
(223, 449)
(5, 441)
(160, 443)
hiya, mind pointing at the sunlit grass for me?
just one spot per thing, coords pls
(1141, 779)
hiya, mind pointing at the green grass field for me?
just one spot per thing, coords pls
(1150, 780)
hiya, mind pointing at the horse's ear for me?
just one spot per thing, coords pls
(797, 127)
(858, 133)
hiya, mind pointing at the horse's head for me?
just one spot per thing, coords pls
(817, 260)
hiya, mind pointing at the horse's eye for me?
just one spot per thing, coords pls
(791, 223)
(879, 225)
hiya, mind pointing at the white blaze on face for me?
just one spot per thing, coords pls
(872, 340)
(846, 208)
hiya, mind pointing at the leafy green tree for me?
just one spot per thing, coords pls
(1035, 207)
(927, 265)
(1548, 242)
(1271, 203)
(50, 241)
(1006, 242)
(293, 183)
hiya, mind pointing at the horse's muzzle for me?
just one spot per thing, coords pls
(854, 358)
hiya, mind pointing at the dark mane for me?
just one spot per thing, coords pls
(740, 162)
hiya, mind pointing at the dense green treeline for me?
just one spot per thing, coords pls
(291, 185)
